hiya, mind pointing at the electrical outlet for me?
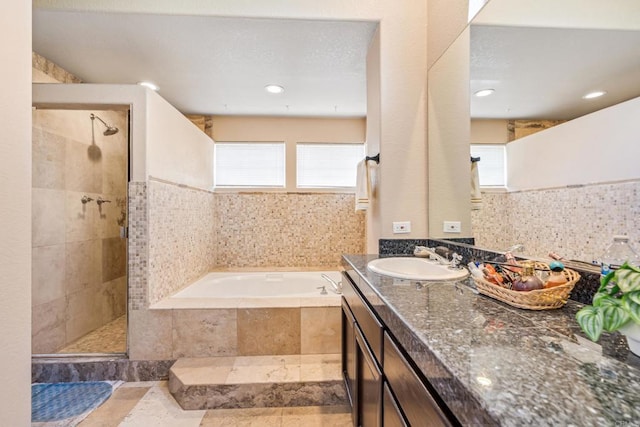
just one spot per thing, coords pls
(400, 227)
(451, 227)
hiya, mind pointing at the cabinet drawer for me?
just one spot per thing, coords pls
(417, 403)
(368, 385)
(348, 351)
(368, 322)
(391, 415)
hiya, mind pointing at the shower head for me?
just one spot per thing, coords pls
(111, 130)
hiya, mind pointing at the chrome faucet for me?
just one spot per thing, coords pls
(335, 287)
(423, 250)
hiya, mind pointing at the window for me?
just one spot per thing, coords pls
(327, 165)
(249, 164)
(492, 169)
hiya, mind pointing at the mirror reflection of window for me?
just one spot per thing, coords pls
(492, 168)
(322, 165)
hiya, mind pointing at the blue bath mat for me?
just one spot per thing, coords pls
(61, 401)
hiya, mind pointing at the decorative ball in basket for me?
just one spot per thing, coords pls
(553, 294)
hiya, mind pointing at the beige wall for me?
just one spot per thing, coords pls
(177, 151)
(592, 14)
(446, 21)
(449, 167)
(15, 213)
(604, 145)
(490, 131)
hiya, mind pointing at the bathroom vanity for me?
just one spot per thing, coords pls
(439, 354)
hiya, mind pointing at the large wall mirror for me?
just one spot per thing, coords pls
(540, 58)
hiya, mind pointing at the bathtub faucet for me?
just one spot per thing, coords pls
(336, 287)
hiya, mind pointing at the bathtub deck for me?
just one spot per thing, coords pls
(257, 381)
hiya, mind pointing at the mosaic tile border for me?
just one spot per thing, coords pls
(138, 258)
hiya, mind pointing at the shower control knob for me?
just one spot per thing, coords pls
(100, 201)
(86, 199)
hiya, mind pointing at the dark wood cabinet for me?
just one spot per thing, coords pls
(412, 395)
(361, 366)
(368, 385)
(391, 414)
(382, 385)
(348, 351)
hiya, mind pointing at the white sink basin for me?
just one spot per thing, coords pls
(415, 269)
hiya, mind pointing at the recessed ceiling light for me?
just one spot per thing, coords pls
(594, 94)
(484, 92)
(149, 85)
(274, 88)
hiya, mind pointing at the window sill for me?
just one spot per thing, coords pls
(493, 189)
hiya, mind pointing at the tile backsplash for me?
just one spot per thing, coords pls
(576, 222)
(286, 229)
(181, 237)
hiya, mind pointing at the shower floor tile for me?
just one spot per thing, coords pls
(110, 338)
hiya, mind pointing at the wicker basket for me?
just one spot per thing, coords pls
(539, 299)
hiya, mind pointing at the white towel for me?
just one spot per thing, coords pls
(363, 186)
(476, 196)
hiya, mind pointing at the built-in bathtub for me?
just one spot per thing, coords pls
(256, 289)
(255, 313)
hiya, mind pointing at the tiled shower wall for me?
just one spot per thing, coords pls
(79, 261)
(177, 234)
(577, 222)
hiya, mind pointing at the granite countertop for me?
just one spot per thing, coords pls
(493, 364)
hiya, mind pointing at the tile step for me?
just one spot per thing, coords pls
(257, 381)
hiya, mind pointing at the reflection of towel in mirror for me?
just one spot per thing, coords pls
(363, 186)
(476, 197)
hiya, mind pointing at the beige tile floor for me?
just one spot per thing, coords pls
(258, 369)
(145, 404)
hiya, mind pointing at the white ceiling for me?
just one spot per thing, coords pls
(216, 65)
(542, 73)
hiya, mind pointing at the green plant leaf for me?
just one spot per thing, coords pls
(591, 321)
(631, 306)
(628, 278)
(604, 281)
(634, 296)
(614, 316)
(603, 299)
